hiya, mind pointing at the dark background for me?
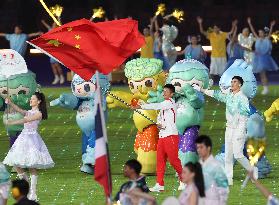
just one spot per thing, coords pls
(29, 13)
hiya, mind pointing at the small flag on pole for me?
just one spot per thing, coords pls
(102, 165)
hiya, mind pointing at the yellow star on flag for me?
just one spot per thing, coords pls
(56, 43)
(77, 37)
(69, 28)
(77, 46)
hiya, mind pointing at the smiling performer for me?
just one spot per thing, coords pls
(237, 113)
(167, 148)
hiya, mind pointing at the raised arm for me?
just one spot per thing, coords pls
(2, 34)
(199, 20)
(37, 116)
(46, 25)
(252, 28)
(272, 23)
(15, 107)
(234, 25)
(151, 27)
(30, 35)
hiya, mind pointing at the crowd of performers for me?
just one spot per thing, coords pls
(168, 102)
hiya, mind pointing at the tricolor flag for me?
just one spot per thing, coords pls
(102, 165)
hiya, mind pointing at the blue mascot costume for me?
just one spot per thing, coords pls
(82, 99)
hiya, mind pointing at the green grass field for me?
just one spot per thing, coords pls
(64, 184)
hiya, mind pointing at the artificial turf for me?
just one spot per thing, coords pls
(65, 184)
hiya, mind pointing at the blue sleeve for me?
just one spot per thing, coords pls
(221, 178)
(8, 36)
(218, 95)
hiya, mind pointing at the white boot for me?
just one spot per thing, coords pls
(56, 80)
(157, 188)
(265, 90)
(62, 79)
(23, 176)
(32, 192)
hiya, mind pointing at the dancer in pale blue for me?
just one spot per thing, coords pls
(194, 50)
(18, 39)
(29, 150)
(263, 61)
(157, 45)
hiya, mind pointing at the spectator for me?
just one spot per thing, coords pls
(18, 39)
(216, 182)
(20, 189)
(132, 171)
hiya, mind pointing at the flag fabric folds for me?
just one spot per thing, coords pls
(102, 172)
(84, 46)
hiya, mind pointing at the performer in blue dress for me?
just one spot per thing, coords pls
(194, 50)
(263, 61)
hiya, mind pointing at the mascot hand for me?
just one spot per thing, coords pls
(21, 100)
(65, 100)
(156, 96)
(274, 109)
(189, 90)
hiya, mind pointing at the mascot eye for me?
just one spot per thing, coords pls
(177, 84)
(148, 83)
(5, 92)
(131, 85)
(22, 92)
(87, 87)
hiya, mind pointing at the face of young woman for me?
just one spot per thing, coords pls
(245, 32)
(34, 101)
(187, 175)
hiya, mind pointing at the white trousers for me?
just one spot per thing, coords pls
(234, 144)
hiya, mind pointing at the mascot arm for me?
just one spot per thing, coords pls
(156, 96)
(274, 109)
(21, 101)
(113, 103)
(195, 100)
(68, 101)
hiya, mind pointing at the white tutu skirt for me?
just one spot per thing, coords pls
(29, 151)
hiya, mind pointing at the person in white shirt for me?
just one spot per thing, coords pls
(237, 113)
(167, 148)
(215, 179)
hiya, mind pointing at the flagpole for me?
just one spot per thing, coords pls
(105, 135)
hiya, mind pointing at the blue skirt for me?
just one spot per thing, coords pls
(264, 63)
(159, 55)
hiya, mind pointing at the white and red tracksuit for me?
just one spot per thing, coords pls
(167, 147)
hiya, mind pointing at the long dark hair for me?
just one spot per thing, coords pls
(198, 179)
(42, 104)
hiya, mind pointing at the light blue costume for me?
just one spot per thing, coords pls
(196, 53)
(83, 100)
(18, 42)
(215, 181)
(255, 122)
(169, 35)
(237, 114)
(263, 60)
(158, 53)
(4, 183)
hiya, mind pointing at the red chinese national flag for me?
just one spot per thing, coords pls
(84, 46)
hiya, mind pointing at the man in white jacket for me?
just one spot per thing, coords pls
(167, 148)
(215, 179)
(237, 112)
